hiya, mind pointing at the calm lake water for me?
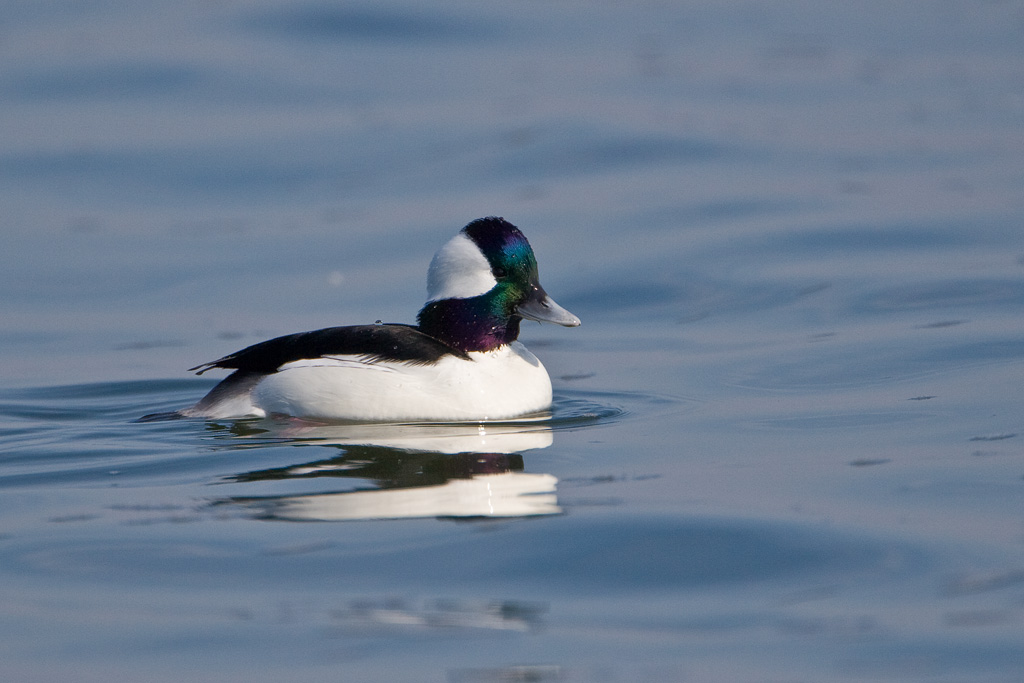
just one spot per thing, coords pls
(787, 440)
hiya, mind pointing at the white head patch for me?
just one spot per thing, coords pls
(458, 271)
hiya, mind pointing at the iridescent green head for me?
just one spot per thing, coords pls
(481, 284)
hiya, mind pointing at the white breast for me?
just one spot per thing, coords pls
(505, 383)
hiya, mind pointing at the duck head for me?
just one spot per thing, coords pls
(481, 284)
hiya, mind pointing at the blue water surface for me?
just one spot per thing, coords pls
(786, 440)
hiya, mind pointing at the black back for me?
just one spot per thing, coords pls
(401, 343)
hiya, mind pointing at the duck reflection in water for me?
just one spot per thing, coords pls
(460, 471)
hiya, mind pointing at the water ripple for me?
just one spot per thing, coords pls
(87, 434)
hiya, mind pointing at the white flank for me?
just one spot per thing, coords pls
(504, 383)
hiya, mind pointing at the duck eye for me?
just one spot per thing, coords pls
(499, 272)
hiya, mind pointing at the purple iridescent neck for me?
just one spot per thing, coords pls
(476, 324)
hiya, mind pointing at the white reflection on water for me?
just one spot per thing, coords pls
(494, 437)
(509, 494)
(420, 470)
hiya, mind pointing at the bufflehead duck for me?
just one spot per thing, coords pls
(461, 362)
